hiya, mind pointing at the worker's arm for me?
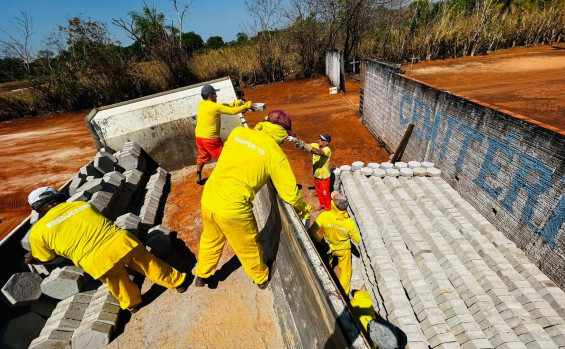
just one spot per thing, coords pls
(222, 109)
(236, 103)
(321, 152)
(285, 182)
(40, 251)
(354, 233)
(313, 230)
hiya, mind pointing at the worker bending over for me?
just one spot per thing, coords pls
(321, 167)
(208, 122)
(77, 231)
(338, 230)
(383, 335)
(250, 157)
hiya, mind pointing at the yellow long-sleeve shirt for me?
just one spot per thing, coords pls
(338, 229)
(321, 164)
(209, 118)
(248, 160)
(77, 231)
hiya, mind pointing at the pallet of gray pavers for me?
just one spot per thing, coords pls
(131, 157)
(85, 320)
(64, 282)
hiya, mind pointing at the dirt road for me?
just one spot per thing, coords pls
(38, 151)
(529, 81)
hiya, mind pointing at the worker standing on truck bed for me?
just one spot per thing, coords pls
(338, 230)
(207, 131)
(77, 231)
(249, 159)
(321, 166)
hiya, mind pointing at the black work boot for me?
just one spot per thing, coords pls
(263, 285)
(199, 282)
(184, 286)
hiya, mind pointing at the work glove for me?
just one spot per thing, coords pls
(248, 104)
(300, 144)
(239, 102)
(306, 212)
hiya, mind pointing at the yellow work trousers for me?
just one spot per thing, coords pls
(344, 264)
(140, 260)
(243, 236)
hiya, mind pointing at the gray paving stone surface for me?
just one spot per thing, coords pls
(64, 282)
(22, 288)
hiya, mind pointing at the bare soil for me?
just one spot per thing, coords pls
(38, 151)
(529, 81)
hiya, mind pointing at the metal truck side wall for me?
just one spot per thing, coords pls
(162, 123)
(509, 168)
(311, 311)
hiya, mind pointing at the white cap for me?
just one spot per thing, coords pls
(40, 194)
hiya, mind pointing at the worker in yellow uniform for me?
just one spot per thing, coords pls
(77, 231)
(207, 131)
(250, 157)
(321, 166)
(383, 335)
(338, 231)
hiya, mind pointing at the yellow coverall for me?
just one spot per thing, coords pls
(77, 231)
(338, 229)
(208, 119)
(363, 309)
(249, 159)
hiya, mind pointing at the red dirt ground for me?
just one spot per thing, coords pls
(38, 151)
(529, 81)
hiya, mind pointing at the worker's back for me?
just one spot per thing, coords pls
(338, 228)
(77, 231)
(246, 163)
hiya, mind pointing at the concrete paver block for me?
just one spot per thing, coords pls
(34, 216)
(345, 168)
(82, 195)
(129, 222)
(433, 172)
(25, 241)
(379, 172)
(357, 165)
(92, 186)
(22, 288)
(386, 165)
(90, 170)
(102, 200)
(103, 164)
(399, 164)
(414, 164)
(19, 332)
(75, 184)
(427, 164)
(52, 340)
(373, 165)
(367, 171)
(92, 335)
(392, 172)
(420, 172)
(158, 240)
(406, 172)
(63, 283)
(114, 178)
(128, 161)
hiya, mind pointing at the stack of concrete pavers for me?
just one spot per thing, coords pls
(64, 282)
(22, 288)
(337, 180)
(398, 169)
(85, 320)
(158, 240)
(153, 196)
(117, 184)
(443, 274)
(129, 222)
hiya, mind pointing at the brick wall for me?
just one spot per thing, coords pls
(510, 168)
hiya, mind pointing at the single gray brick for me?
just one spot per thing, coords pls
(62, 283)
(92, 335)
(90, 170)
(129, 222)
(103, 164)
(52, 340)
(25, 241)
(82, 195)
(22, 288)
(92, 186)
(158, 240)
(75, 184)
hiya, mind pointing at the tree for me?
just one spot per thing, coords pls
(192, 42)
(17, 45)
(180, 14)
(215, 42)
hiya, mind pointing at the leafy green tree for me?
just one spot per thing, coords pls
(192, 42)
(215, 42)
(147, 24)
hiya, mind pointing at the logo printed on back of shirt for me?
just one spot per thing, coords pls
(250, 145)
(66, 216)
(336, 227)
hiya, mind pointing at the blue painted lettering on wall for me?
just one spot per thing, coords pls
(532, 176)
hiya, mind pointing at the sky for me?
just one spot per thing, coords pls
(223, 18)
